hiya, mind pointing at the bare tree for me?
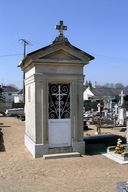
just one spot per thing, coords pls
(119, 85)
(2, 99)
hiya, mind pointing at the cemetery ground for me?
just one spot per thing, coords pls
(20, 172)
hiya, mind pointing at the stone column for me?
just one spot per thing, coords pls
(45, 111)
(41, 109)
(74, 110)
(80, 109)
(78, 144)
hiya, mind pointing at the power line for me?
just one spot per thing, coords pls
(11, 55)
(25, 43)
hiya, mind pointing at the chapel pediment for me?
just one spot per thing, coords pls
(61, 51)
(60, 55)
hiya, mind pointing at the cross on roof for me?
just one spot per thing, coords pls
(61, 27)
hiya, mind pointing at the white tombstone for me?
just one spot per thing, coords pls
(106, 113)
(116, 109)
(122, 112)
(110, 106)
(121, 117)
(54, 97)
(99, 107)
(122, 97)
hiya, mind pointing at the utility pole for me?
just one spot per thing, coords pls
(25, 43)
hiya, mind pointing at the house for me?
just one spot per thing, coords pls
(87, 94)
(105, 97)
(103, 92)
(18, 97)
(8, 93)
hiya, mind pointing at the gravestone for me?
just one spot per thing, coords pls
(99, 107)
(116, 109)
(54, 97)
(122, 113)
(122, 98)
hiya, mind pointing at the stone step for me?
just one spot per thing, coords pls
(61, 155)
(60, 150)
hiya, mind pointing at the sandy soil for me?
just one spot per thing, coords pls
(20, 172)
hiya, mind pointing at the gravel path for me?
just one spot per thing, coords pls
(20, 172)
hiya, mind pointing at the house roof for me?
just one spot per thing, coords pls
(103, 91)
(20, 91)
(9, 88)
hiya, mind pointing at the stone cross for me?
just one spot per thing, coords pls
(61, 27)
(122, 97)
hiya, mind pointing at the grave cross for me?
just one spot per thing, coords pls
(122, 97)
(61, 27)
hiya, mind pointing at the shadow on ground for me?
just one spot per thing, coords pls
(4, 126)
(2, 147)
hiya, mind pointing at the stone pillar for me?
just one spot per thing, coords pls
(74, 109)
(80, 109)
(78, 143)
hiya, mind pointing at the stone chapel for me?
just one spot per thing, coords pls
(54, 97)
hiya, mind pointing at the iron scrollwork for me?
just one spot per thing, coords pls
(59, 101)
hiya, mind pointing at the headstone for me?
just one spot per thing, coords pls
(122, 97)
(105, 113)
(99, 108)
(110, 106)
(121, 117)
(105, 109)
(53, 101)
(122, 114)
(116, 109)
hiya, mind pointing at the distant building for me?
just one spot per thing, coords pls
(18, 97)
(87, 94)
(8, 93)
(108, 97)
(103, 92)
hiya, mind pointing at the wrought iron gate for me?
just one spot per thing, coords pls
(59, 101)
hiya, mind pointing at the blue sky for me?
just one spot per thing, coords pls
(98, 27)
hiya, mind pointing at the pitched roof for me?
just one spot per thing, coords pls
(57, 43)
(9, 88)
(103, 91)
(62, 41)
(20, 91)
